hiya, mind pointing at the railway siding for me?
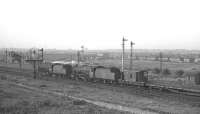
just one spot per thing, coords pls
(125, 96)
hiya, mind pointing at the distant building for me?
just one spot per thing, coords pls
(197, 60)
(186, 60)
(177, 60)
(192, 60)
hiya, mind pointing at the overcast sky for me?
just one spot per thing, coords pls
(64, 24)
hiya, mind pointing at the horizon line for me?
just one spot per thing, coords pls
(100, 49)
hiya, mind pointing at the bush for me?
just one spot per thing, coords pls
(166, 71)
(79, 102)
(2, 77)
(197, 79)
(179, 72)
(156, 70)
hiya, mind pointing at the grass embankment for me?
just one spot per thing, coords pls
(16, 100)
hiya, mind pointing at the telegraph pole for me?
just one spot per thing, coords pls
(131, 56)
(42, 51)
(78, 57)
(6, 56)
(82, 50)
(161, 56)
(79, 54)
(123, 48)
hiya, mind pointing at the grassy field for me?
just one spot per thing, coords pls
(16, 100)
(137, 64)
(22, 100)
(171, 79)
(142, 64)
(24, 66)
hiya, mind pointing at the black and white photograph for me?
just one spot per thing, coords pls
(99, 57)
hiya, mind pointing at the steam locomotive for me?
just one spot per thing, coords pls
(95, 73)
(111, 75)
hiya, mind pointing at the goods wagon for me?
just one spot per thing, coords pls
(130, 76)
(135, 76)
(142, 76)
(105, 74)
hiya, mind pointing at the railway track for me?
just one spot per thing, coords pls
(138, 91)
(15, 71)
(147, 90)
